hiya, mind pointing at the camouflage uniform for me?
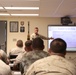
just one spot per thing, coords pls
(52, 65)
(4, 56)
(16, 51)
(31, 57)
(39, 35)
(5, 69)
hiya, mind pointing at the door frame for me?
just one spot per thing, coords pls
(6, 35)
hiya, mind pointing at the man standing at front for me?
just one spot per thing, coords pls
(36, 34)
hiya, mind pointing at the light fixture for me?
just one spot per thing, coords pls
(22, 8)
(24, 14)
(32, 0)
(4, 14)
(1, 8)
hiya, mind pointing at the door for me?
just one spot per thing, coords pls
(3, 35)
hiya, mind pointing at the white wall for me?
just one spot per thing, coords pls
(42, 23)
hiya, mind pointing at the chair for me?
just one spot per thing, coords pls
(12, 59)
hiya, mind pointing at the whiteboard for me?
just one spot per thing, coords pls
(67, 33)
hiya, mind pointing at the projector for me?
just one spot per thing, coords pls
(65, 20)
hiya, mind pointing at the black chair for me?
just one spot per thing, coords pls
(12, 59)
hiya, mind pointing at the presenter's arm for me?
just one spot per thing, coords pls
(30, 70)
(46, 38)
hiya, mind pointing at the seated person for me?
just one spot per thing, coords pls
(27, 48)
(15, 52)
(3, 56)
(4, 68)
(37, 53)
(19, 58)
(18, 49)
(55, 64)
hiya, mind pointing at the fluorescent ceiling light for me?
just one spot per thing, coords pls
(4, 14)
(24, 14)
(32, 0)
(1, 8)
(22, 8)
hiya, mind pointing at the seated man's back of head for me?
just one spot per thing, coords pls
(36, 54)
(55, 64)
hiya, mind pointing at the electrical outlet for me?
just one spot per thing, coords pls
(14, 39)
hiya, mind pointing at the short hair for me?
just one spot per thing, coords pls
(58, 45)
(37, 43)
(36, 27)
(20, 43)
(28, 43)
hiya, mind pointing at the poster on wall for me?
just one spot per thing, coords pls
(22, 29)
(13, 26)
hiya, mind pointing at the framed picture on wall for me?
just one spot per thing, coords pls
(14, 26)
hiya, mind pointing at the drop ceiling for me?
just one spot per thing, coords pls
(47, 8)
